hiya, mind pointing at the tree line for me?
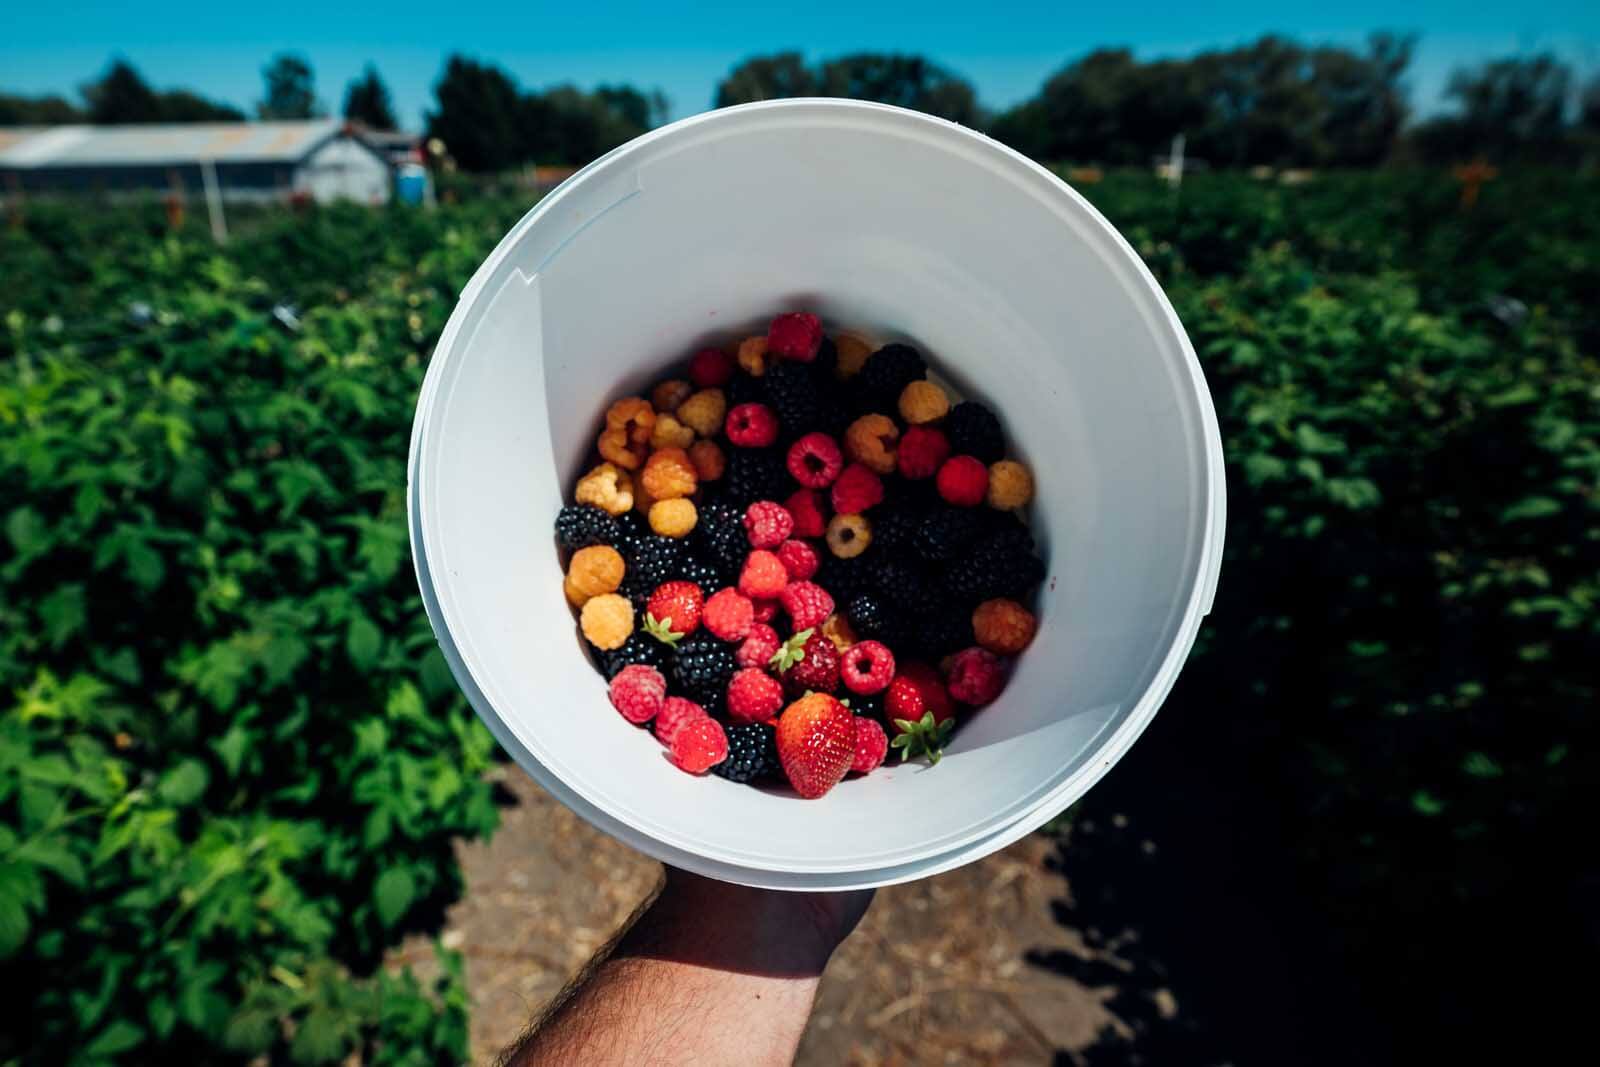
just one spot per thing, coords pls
(1272, 102)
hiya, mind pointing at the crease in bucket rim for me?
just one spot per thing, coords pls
(1040, 804)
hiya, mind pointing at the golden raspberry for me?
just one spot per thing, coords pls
(753, 355)
(606, 487)
(607, 620)
(1010, 485)
(575, 597)
(848, 535)
(1003, 626)
(670, 433)
(626, 438)
(673, 518)
(708, 460)
(853, 352)
(666, 397)
(870, 441)
(836, 628)
(922, 402)
(703, 412)
(595, 570)
(668, 474)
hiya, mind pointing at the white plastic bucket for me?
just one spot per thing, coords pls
(909, 228)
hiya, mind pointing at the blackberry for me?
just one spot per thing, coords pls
(720, 539)
(744, 389)
(944, 532)
(755, 474)
(651, 559)
(867, 614)
(903, 585)
(640, 647)
(752, 754)
(974, 430)
(867, 705)
(1002, 564)
(703, 573)
(941, 632)
(827, 361)
(795, 397)
(894, 525)
(885, 373)
(844, 579)
(581, 525)
(701, 667)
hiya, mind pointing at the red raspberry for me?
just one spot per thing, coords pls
(915, 691)
(763, 576)
(976, 676)
(673, 715)
(923, 450)
(872, 745)
(868, 667)
(638, 691)
(963, 481)
(796, 336)
(678, 602)
(858, 489)
(806, 507)
(758, 648)
(799, 559)
(767, 524)
(728, 614)
(818, 667)
(807, 603)
(699, 745)
(751, 426)
(815, 460)
(754, 696)
(766, 608)
(710, 368)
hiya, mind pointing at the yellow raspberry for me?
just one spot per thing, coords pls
(576, 597)
(668, 474)
(607, 620)
(626, 438)
(708, 460)
(853, 352)
(848, 535)
(1010, 485)
(836, 628)
(606, 487)
(753, 355)
(595, 570)
(1003, 626)
(673, 518)
(922, 402)
(670, 433)
(870, 441)
(669, 394)
(703, 412)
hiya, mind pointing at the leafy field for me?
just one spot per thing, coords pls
(232, 764)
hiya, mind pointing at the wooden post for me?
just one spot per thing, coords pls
(219, 223)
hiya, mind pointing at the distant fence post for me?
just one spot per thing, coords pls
(1175, 161)
(219, 223)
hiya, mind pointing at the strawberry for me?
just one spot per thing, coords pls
(816, 743)
(674, 608)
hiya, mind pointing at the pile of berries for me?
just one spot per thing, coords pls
(800, 555)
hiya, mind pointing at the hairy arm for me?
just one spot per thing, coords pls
(708, 973)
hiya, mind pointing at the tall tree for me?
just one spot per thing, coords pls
(903, 80)
(775, 77)
(366, 101)
(479, 115)
(50, 110)
(121, 96)
(290, 89)
(1508, 109)
(181, 105)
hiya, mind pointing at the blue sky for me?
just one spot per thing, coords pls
(1005, 50)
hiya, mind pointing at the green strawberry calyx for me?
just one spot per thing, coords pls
(922, 737)
(791, 651)
(661, 630)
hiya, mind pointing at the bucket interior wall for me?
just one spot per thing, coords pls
(1017, 294)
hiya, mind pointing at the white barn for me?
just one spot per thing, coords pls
(321, 159)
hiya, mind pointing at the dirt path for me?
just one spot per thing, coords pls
(939, 971)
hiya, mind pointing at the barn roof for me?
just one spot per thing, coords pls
(161, 144)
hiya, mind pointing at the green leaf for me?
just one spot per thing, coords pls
(163, 1016)
(13, 911)
(231, 748)
(1425, 803)
(1313, 440)
(183, 784)
(119, 1037)
(1531, 507)
(363, 641)
(26, 530)
(282, 655)
(63, 613)
(393, 894)
(320, 1038)
(250, 1031)
(1479, 765)
(145, 568)
(53, 855)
